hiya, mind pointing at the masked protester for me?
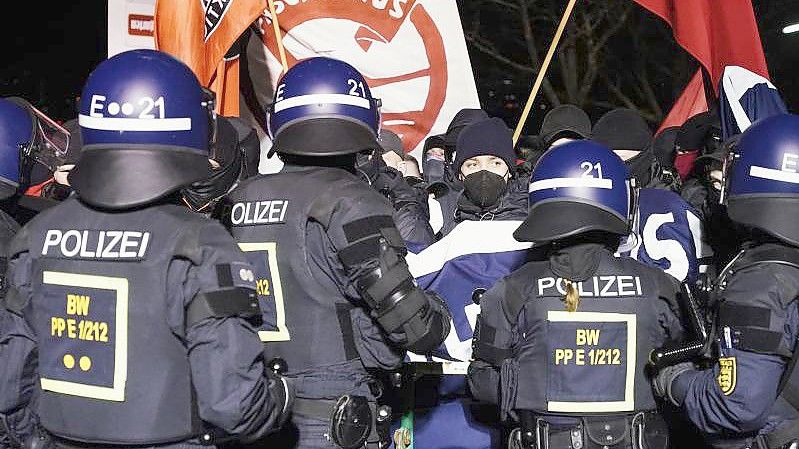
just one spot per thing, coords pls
(626, 133)
(486, 172)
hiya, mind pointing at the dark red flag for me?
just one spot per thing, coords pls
(717, 33)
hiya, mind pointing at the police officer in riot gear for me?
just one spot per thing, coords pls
(561, 343)
(339, 302)
(749, 396)
(25, 138)
(129, 314)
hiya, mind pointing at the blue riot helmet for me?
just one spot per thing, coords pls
(146, 123)
(575, 188)
(27, 135)
(323, 107)
(761, 177)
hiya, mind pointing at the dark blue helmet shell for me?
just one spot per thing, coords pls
(332, 94)
(766, 159)
(761, 177)
(146, 123)
(144, 97)
(578, 187)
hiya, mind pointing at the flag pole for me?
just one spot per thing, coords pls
(543, 70)
(278, 36)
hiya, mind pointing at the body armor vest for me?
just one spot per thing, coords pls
(112, 370)
(590, 361)
(307, 320)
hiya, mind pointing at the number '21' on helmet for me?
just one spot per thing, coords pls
(323, 107)
(575, 188)
(761, 177)
(26, 136)
(146, 122)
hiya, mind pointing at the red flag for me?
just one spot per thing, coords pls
(692, 101)
(200, 34)
(718, 34)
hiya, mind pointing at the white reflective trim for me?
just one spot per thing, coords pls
(774, 175)
(555, 183)
(135, 124)
(305, 100)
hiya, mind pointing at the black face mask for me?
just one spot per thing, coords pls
(202, 195)
(484, 188)
(433, 170)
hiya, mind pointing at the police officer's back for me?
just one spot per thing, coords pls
(749, 397)
(130, 313)
(337, 296)
(563, 342)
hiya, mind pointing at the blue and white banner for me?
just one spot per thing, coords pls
(472, 256)
(744, 98)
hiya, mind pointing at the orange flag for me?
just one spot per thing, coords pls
(200, 33)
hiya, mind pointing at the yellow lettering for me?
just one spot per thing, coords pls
(57, 326)
(78, 304)
(262, 287)
(592, 337)
(559, 354)
(587, 337)
(579, 358)
(71, 325)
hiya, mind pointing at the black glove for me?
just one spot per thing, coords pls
(665, 377)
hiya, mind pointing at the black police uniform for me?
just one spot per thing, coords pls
(576, 379)
(337, 297)
(123, 325)
(13, 426)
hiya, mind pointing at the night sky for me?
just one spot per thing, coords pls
(55, 45)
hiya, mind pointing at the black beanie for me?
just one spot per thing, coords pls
(487, 137)
(463, 118)
(566, 120)
(622, 129)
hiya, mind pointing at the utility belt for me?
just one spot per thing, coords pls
(354, 420)
(45, 440)
(642, 430)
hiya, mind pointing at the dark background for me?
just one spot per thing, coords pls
(51, 48)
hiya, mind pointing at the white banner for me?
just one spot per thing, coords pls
(130, 25)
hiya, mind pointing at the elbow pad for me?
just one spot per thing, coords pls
(393, 295)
